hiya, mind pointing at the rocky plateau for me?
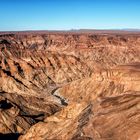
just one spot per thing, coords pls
(69, 86)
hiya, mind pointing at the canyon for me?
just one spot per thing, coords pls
(70, 85)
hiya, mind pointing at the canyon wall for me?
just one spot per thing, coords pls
(70, 86)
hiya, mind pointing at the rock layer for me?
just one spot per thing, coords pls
(70, 86)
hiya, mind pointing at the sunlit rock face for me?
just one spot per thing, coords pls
(70, 86)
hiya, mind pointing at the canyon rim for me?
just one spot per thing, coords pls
(74, 85)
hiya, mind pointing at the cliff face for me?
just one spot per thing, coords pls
(70, 86)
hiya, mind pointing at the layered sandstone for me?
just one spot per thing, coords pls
(70, 86)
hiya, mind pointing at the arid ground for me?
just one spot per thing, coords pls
(77, 85)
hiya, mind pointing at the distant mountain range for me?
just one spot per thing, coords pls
(127, 29)
(96, 31)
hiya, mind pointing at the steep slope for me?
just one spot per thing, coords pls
(70, 86)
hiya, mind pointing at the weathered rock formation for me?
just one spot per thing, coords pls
(70, 86)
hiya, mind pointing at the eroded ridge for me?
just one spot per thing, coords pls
(70, 86)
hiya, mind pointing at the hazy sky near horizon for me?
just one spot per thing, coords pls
(68, 14)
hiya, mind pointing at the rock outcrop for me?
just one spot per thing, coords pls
(70, 86)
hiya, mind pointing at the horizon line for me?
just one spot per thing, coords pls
(72, 30)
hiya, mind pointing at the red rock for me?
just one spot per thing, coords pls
(70, 86)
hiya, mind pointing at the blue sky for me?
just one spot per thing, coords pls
(68, 14)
